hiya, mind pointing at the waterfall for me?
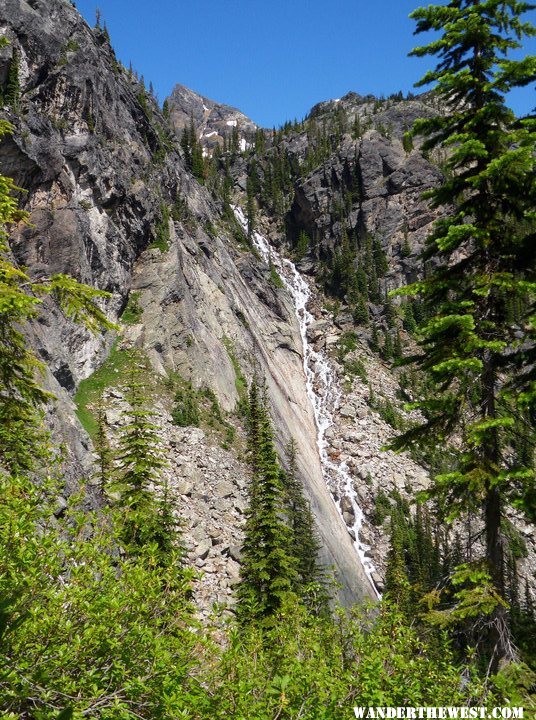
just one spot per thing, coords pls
(323, 390)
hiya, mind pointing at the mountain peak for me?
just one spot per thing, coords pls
(213, 121)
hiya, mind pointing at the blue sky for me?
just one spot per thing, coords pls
(273, 59)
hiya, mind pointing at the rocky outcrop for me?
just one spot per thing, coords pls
(380, 185)
(111, 202)
(98, 164)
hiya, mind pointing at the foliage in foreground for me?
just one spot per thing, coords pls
(86, 626)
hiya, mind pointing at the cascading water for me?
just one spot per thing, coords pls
(322, 390)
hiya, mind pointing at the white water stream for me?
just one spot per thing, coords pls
(323, 390)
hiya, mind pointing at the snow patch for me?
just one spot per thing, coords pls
(232, 123)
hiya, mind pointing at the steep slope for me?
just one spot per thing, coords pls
(102, 174)
(111, 201)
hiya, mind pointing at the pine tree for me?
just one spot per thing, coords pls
(186, 147)
(397, 346)
(361, 313)
(405, 250)
(397, 585)
(387, 350)
(268, 572)
(251, 211)
(484, 253)
(374, 342)
(141, 458)
(380, 259)
(305, 542)
(409, 318)
(12, 89)
(101, 444)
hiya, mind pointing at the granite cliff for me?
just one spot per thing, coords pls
(112, 202)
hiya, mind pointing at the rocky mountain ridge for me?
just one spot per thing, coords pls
(112, 202)
(213, 122)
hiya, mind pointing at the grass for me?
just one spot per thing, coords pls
(90, 390)
(133, 310)
(275, 278)
(114, 372)
(199, 408)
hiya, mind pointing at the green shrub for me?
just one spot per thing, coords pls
(133, 310)
(185, 411)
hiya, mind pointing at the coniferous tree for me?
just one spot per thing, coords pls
(185, 145)
(409, 318)
(268, 572)
(387, 349)
(12, 89)
(374, 342)
(305, 542)
(405, 250)
(141, 458)
(397, 346)
(250, 209)
(105, 465)
(484, 253)
(397, 585)
(380, 259)
(361, 313)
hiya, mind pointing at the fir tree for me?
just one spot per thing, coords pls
(12, 89)
(484, 253)
(397, 346)
(268, 572)
(387, 350)
(380, 259)
(397, 585)
(361, 313)
(186, 147)
(374, 342)
(405, 250)
(409, 318)
(141, 458)
(104, 466)
(251, 211)
(305, 541)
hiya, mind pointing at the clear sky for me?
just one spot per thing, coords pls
(272, 59)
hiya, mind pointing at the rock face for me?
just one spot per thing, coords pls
(94, 154)
(371, 177)
(111, 203)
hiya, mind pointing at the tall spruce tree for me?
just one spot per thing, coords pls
(12, 89)
(305, 542)
(484, 255)
(103, 451)
(268, 572)
(141, 458)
